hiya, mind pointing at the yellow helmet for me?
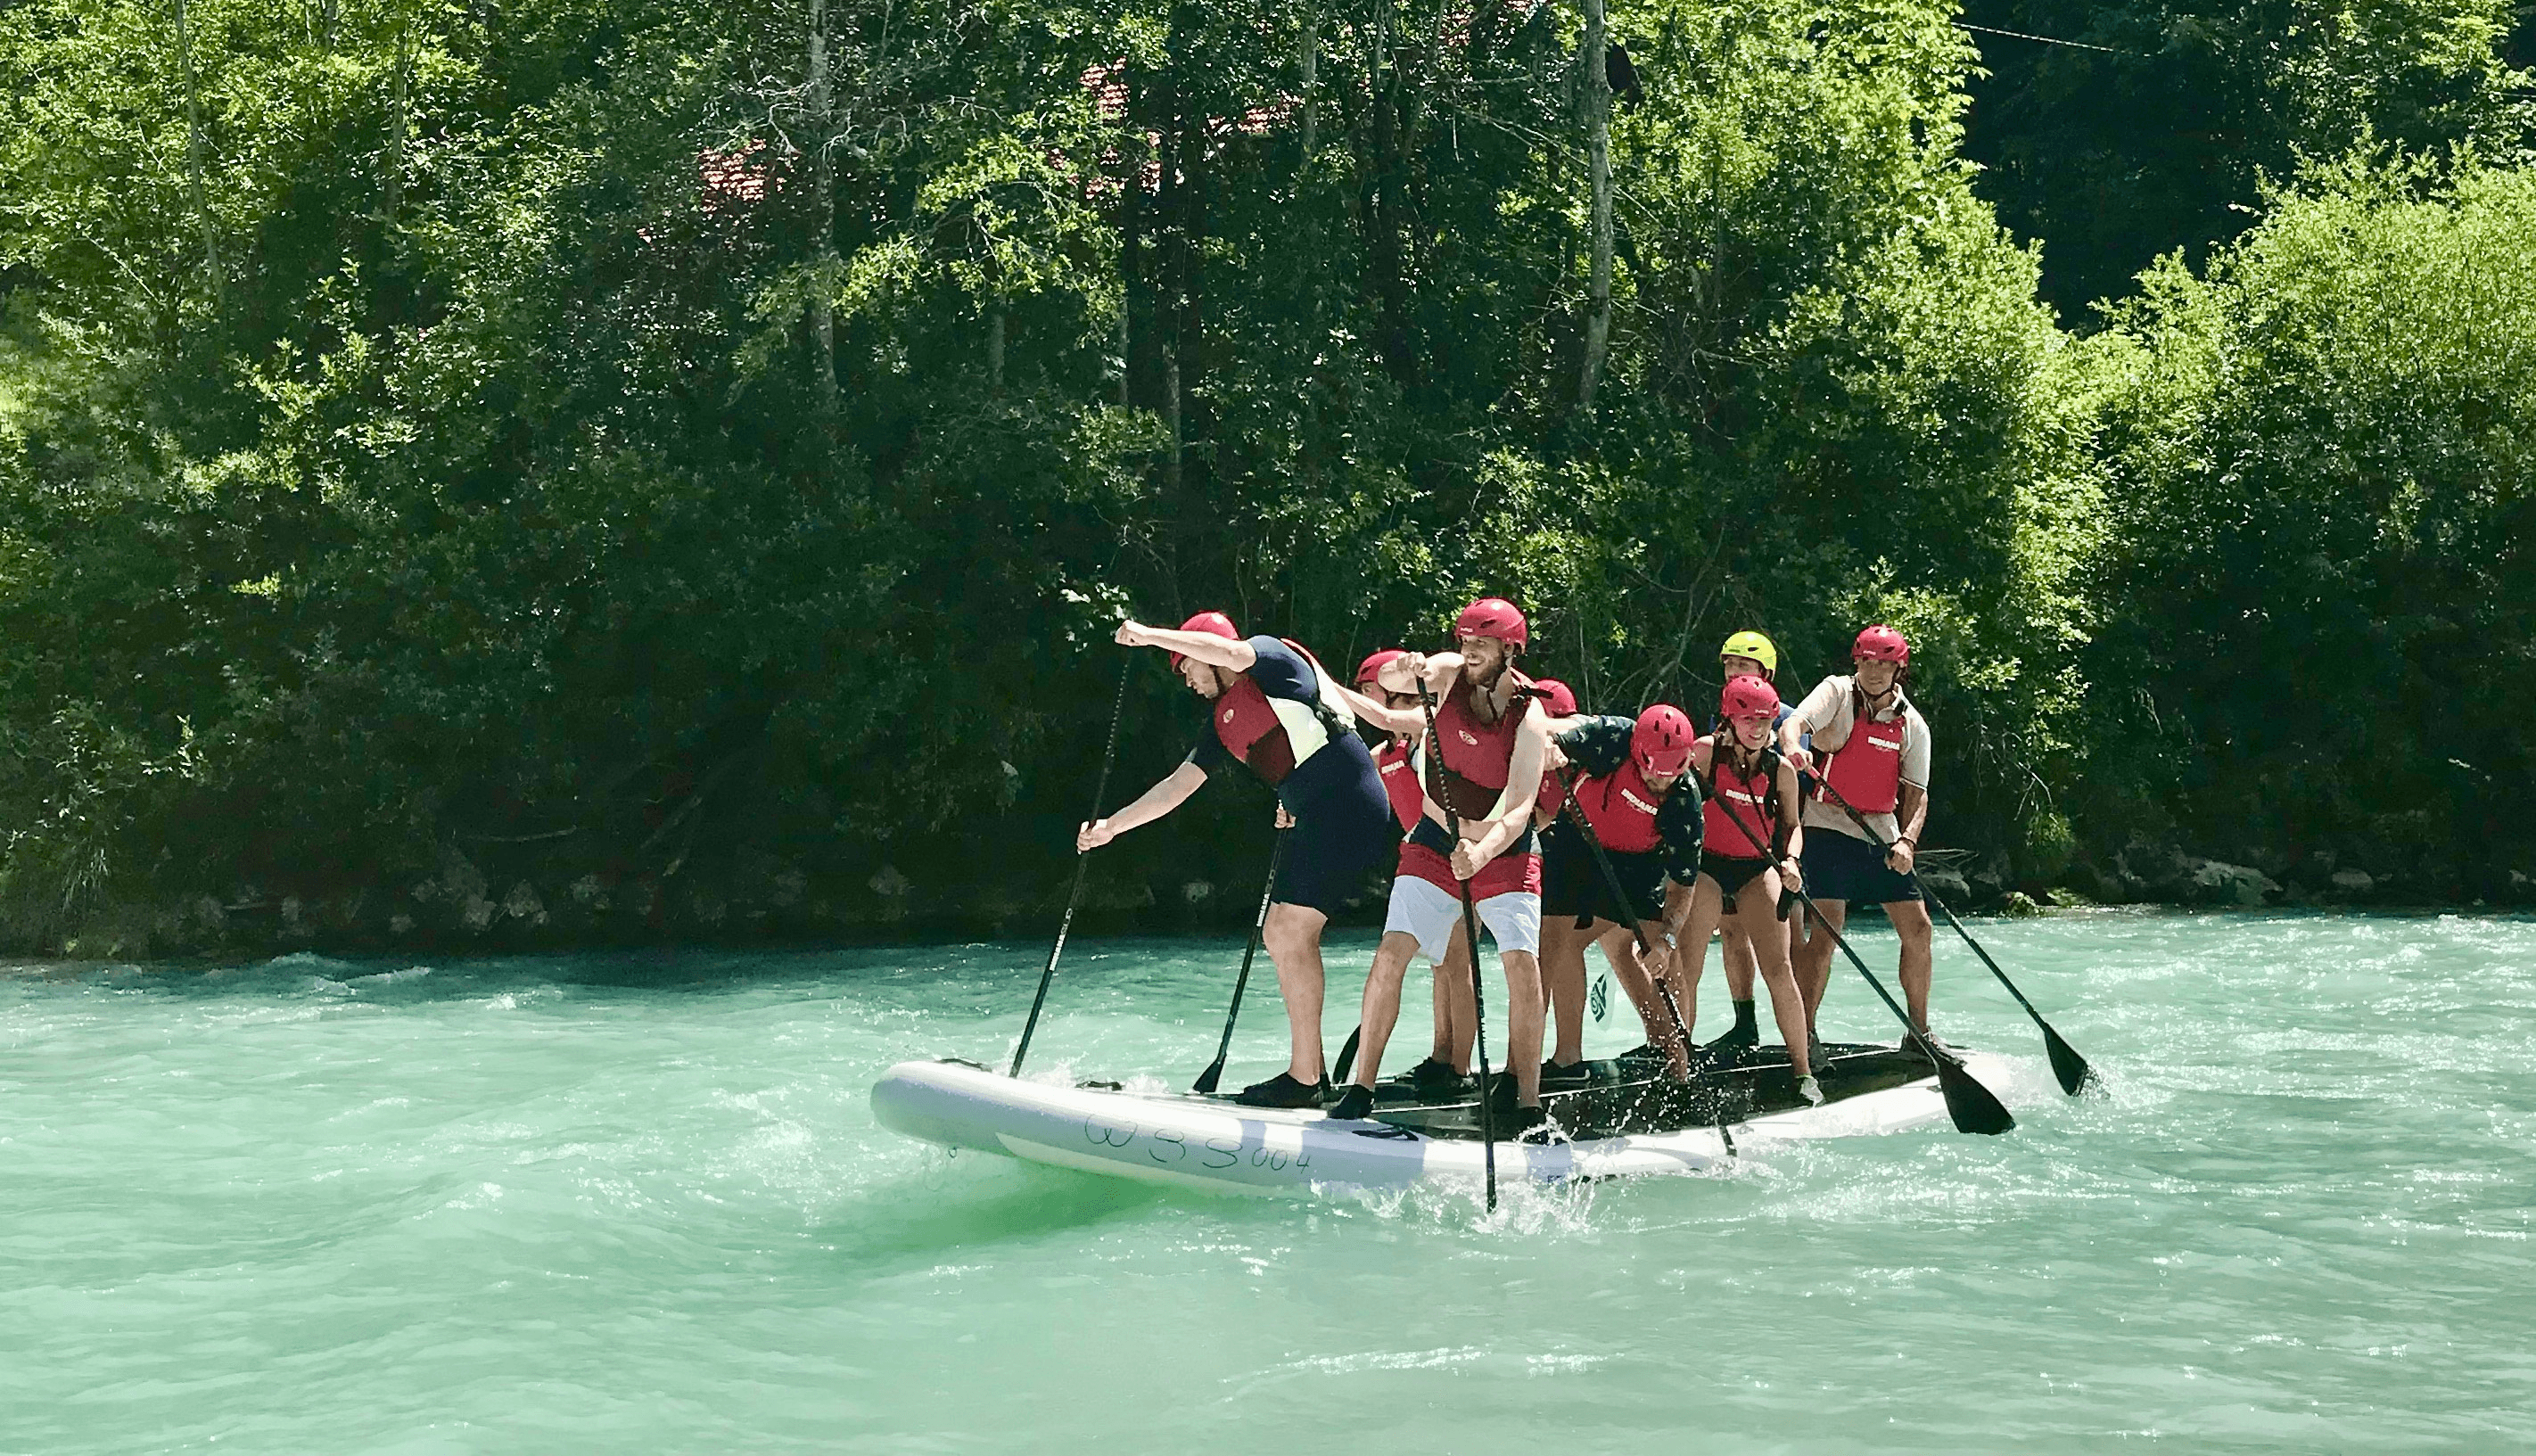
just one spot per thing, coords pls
(1751, 645)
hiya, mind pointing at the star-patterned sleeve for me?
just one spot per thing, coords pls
(1598, 744)
(1679, 824)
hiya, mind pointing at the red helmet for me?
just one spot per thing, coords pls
(1661, 742)
(1366, 669)
(1558, 699)
(1882, 644)
(1493, 616)
(1747, 697)
(1214, 623)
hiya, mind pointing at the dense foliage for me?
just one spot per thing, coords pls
(2321, 630)
(2132, 128)
(639, 469)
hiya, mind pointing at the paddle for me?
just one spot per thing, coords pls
(1082, 864)
(1470, 930)
(1214, 1072)
(1575, 813)
(1973, 1106)
(1346, 1057)
(2067, 1064)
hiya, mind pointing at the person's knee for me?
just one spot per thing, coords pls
(1911, 925)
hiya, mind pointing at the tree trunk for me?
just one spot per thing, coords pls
(194, 154)
(392, 165)
(1598, 131)
(823, 210)
(1310, 47)
(995, 349)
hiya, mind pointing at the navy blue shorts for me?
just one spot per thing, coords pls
(1841, 867)
(1573, 884)
(1340, 837)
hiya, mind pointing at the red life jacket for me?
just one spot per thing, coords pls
(1622, 810)
(1250, 724)
(1866, 768)
(1478, 758)
(1751, 799)
(1399, 782)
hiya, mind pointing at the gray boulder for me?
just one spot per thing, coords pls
(2217, 883)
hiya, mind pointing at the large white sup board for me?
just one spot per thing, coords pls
(1213, 1144)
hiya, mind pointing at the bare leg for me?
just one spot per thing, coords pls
(1442, 1049)
(1462, 1019)
(1381, 1003)
(1293, 936)
(1813, 959)
(1524, 1016)
(1911, 922)
(1739, 961)
(1562, 978)
(1757, 906)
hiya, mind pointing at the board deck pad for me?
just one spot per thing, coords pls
(1635, 1096)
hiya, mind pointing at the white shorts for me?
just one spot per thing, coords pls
(1430, 913)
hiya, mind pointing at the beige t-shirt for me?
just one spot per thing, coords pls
(1827, 713)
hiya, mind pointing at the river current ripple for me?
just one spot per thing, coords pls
(639, 1204)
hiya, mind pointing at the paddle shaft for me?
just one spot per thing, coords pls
(1575, 813)
(1206, 1080)
(1471, 931)
(2059, 1045)
(1082, 864)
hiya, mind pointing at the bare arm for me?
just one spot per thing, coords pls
(1662, 945)
(1906, 844)
(1523, 785)
(1420, 671)
(1205, 647)
(1151, 804)
(1791, 818)
(1407, 722)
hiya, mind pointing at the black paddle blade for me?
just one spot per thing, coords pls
(1206, 1080)
(2067, 1065)
(1347, 1060)
(1972, 1106)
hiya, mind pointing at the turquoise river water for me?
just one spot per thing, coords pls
(638, 1204)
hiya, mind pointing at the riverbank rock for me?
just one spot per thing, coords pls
(2215, 883)
(2354, 881)
(1949, 883)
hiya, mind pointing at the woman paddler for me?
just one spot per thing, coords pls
(1752, 841)
(1491, 736)
(1750, 654)
(1644, 810)
(1273, 710)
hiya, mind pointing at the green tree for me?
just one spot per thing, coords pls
(2320, 586)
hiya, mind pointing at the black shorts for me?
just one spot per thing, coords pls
(1573, 884)
(1340, 837)
(1840, 866)
(1732, 874)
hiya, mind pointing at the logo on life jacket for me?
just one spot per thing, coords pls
(1467, 738)
(1641, 806)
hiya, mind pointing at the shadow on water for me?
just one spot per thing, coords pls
(1017, 1203)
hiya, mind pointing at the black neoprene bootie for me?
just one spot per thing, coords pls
(1282, 1091)
(1354, 1104)
(1747, 1031)
(1572, 1074)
